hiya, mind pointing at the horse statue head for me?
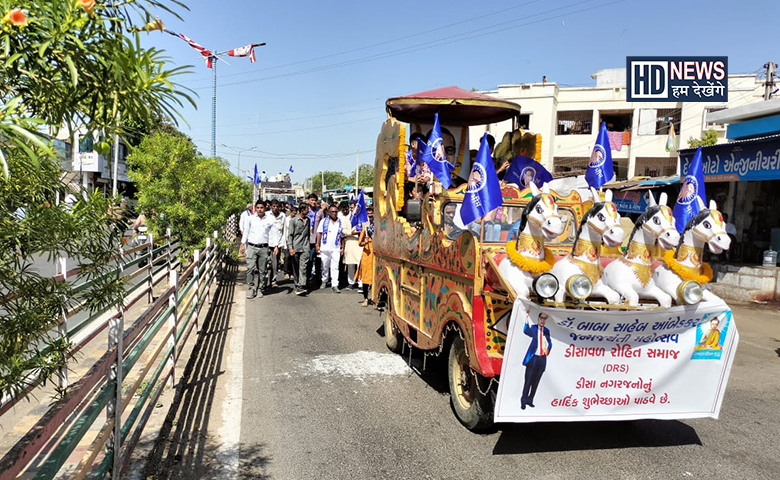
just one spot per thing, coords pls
(526, 255)
(685, 262)
(707, 227)
(631, 275)
(540, 216)
(600, 224)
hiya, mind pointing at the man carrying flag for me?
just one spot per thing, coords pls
(360, 215)
(525, 170)
(600, 169)
(435, 157)
(686, 206)
(483, 191)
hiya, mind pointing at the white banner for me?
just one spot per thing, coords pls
(616, 365)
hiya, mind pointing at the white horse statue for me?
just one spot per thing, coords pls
(632, 274)
(526, 256)
(599, 224)
(685, 262)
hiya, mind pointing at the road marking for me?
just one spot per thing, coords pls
(227, 453)
(359, 365)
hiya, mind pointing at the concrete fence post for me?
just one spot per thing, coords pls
(173, 325)
(62, 328)
(196, 274)
(115, 374)
(170, 254)
(206, 269)
(150, 295)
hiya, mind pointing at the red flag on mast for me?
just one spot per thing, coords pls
(203, 50)
(247, 51)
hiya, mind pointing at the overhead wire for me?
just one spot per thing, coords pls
(433, 43)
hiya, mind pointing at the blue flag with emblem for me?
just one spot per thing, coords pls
(256, 177)
(600, 169)
(692, 186)
(483, 191)
(361, 214)
(291, 169)
(435, 157)
(525, 170)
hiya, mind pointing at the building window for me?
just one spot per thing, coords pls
(714, 126)
(665, 117)
(524, 121)
(617, 122)
(655, 167)
(575, 122)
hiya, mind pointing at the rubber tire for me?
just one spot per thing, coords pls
(393, 338)
(478, 417)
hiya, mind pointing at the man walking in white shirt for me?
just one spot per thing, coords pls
(330, 246)
(254, 242)
(242, 221)
(277, 240)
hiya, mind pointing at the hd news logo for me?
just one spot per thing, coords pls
(677, 79)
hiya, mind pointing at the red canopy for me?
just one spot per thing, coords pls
(454, 105)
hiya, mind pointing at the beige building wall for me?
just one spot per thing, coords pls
(646, 153)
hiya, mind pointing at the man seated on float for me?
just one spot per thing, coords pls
(451, 229)
(492, 230)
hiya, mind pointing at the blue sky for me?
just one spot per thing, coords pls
(318, 87)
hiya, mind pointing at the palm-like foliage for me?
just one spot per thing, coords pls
(78, 64)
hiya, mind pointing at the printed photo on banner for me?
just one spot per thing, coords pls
(710, 335)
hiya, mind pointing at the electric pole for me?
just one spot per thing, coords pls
(769, 84)
(357, 172)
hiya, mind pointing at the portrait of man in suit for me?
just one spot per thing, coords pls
(535, 360)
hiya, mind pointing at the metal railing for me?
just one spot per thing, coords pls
(156, 335)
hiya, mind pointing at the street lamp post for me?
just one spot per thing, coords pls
(239, 151)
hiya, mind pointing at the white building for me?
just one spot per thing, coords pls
(568, 118)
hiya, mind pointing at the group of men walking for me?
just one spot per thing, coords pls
(316, 241)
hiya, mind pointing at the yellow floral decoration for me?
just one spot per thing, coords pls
(401, 174)
(527, 264)
(688, 273)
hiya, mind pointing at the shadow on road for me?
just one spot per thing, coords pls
(185, 449)
(561, 437)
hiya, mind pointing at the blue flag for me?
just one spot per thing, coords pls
(686, 206)
(483, 192)
(257, 177)
(524, 170)
(600, 169)
(435, 158)
(291, 169)
(361, 214)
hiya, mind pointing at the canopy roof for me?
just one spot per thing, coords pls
(454, 105)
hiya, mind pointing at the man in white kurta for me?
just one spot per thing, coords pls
(330, 246)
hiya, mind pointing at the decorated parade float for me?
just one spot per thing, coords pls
(536, 311)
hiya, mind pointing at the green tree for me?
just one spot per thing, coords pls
(182, 190)
(333, 180)
(80, 64)
(710, 137)
(31, 225)
(366, 177)
(76, 63)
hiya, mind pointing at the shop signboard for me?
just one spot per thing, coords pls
(737, 161)
(631, 201)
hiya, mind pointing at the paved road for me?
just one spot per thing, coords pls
(320, 397)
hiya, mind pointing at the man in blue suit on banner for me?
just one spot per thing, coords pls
(483, 192)
(686, 206)
(435, 157)
(535, 360)
(600, 169)
(524, 170)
